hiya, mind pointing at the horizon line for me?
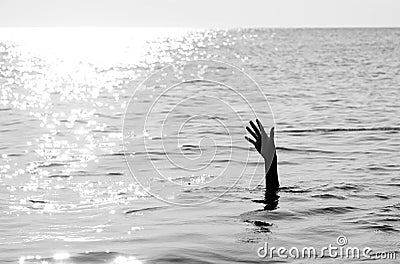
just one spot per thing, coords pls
(203, 28)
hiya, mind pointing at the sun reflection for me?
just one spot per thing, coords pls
(98, 46)
(67, 90)
(126, 260)
(61, 256)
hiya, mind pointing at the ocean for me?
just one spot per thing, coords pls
(126, 145)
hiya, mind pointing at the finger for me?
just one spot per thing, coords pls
(272, 133)
(250, 140)
(260, 126)
(255, 129)
(252, 133)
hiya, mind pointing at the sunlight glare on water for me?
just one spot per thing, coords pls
(98, 46)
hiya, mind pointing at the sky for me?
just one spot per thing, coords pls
(200, 13)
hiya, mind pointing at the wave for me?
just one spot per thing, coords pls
(375, 226)
(349, 129)
(59, 176)
(306, 150)
(294, 189)
(37, 201)
(343, 187)
(329, 210)
(329, 196)
(131, 211)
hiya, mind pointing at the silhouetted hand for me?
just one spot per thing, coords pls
(264, 144)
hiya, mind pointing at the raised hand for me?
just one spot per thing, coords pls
(264, 144)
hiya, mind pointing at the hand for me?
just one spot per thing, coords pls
(264, 144)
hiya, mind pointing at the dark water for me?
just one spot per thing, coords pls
(67, 195)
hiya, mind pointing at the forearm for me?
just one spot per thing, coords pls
(271, 175)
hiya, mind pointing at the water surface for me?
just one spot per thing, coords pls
(67, 195)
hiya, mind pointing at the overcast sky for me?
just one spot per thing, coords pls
(201, 13)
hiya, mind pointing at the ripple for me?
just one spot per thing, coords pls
(335, 210)
(339, 129)
(329, 196)
(131, 211)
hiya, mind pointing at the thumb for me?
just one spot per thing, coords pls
(272, 133)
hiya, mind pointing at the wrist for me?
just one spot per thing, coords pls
(269, 156)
